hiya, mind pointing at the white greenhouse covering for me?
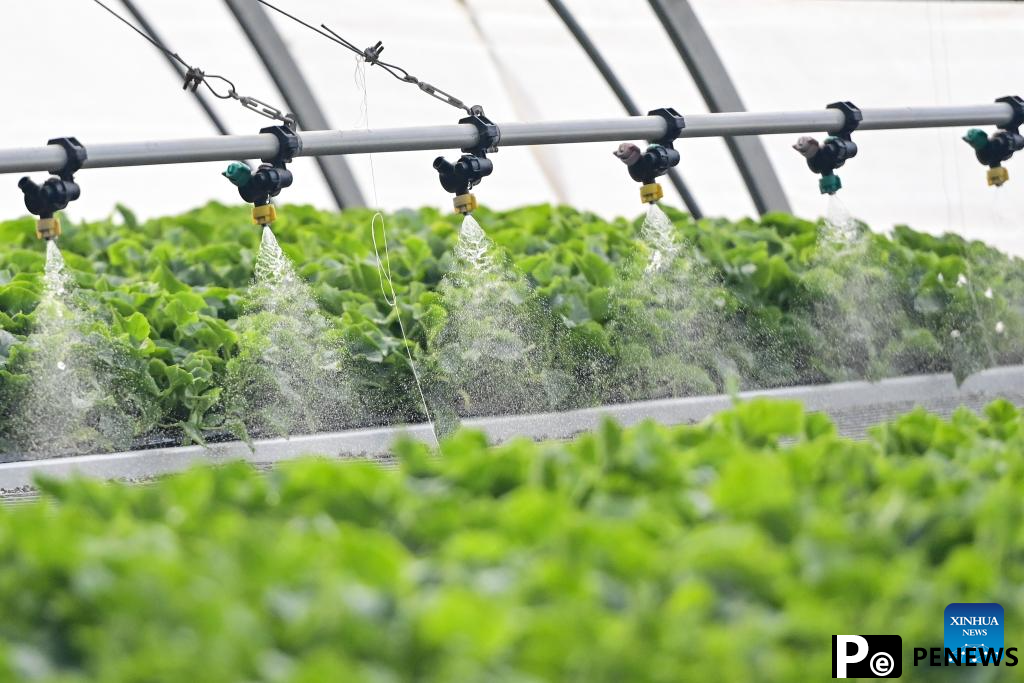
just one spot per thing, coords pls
(71, 69)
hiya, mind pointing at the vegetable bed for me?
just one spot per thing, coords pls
(728, 551)
(753, 304)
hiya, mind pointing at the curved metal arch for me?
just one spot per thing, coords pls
(208, 109)
(296, 91)
(602, 65)
(716, 87)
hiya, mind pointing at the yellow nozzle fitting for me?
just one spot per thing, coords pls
(465, 203)
(264, 215)
(997, 176)
(650, 193)
(48, 228)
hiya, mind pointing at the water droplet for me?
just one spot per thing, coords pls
(290, 377)
(64, 412)
(473, 247)
(841, 228)
(659, 234)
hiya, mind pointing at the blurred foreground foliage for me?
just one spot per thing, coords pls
(727, 551)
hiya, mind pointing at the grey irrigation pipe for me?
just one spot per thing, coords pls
(330, 142)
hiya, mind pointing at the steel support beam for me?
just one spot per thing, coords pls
(324, 143)
(296, 91)
(617, 87)
(718, 91)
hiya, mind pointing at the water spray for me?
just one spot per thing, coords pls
(259, 186)
(661, 155)
(473, 166)
(57, 191)
(993, 150)
(825, 157)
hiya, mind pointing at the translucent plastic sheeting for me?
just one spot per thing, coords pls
(783, 54)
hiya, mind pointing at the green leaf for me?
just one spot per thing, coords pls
(136, 326)
(597, 271)
(16, 298)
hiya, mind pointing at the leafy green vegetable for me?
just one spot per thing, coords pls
(727, 551)
(752, 304)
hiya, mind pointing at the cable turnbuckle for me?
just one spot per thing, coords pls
(264, 109)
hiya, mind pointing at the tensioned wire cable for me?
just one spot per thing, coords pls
(371, 55)
(194, 77)
(970, 284)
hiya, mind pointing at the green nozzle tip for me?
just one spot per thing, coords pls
(830, 184)
(976, 138)
(238, 173)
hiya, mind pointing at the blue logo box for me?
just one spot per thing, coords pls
(973, 624)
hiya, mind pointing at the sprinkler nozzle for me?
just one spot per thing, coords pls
(259, 186)
(47, 199)
(651, 193)
(473, 166)
(465, 203)
(264, 214)
(993, 150)
(466, 173)
(830, 184)
(997, 176)
(48, 228)
(645, 166)
(825, 157)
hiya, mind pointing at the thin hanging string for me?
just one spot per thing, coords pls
(971, 289)
(387, 284)
(194, 77)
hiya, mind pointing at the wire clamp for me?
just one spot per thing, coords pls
(372, 53)
(57, 191)
(193, 78)
(993, 150)
(825, 157)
